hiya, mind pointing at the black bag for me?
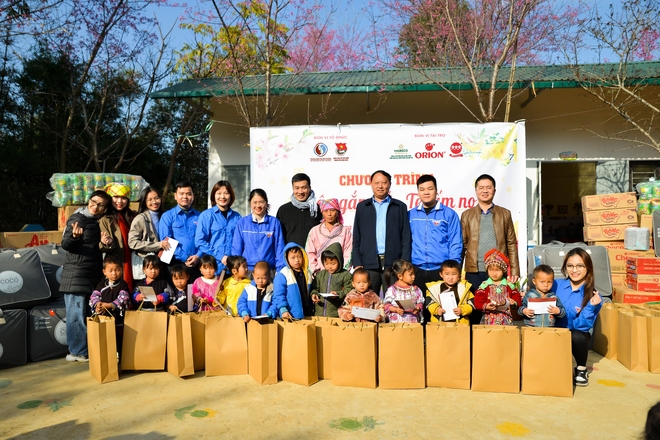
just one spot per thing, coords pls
(52, 260)
(47, 332)
(22, 281)
(13, 338)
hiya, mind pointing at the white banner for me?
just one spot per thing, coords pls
(340, 160)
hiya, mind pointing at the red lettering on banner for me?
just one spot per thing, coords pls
(353, 180)
(406, 179)
(349, 204)
(467, 202)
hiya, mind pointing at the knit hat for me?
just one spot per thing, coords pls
(496, 258)
(326, 204)
(116, 189)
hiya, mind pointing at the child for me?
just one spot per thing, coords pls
(151, 265)
(360, 296)
(292, 284)
(206, 287)
(233, 287)
(112, 294)
(451, 280)
(180, 278)
(333, 279)
(496, 295)
(257, 297)
(543, 276)
(403, 288)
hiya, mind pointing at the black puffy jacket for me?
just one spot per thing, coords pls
(83, 267)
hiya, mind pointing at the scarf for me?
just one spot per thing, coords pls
(332, 204)
(310, 203)
(128, 265)
(84, 211)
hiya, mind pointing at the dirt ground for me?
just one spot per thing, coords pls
(58, 399)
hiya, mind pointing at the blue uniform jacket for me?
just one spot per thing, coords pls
(286, 294)
(436, 237)
(215, 233)
(572, 301)
(247, 302)
(259, 241)
(180, 226)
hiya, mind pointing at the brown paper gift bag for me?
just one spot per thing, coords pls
(198, 330)
(323, 343)
(448, 355)
(354, 354)
(179, 346)
(102, 348)
(496, 358)
(298, 353)
(547, 362)
(225, 346)
(632, 343)
(606, 331)
(145, 340)
(262, 351)
(653, 335)
(401, 356)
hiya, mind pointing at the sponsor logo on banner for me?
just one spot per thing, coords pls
(342, 148)
(429, 153)
(10, 281)
(320, 150)
(401, 152)
(456, 149)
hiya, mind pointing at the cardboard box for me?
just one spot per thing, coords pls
(643, 286)
(647, 265)
(631, 296)
(619, 258)
(642, 278)
(610, 217)
(64, 212)
(20, 240)
(618, 280)
(608, 244)
(609, 201)
(605, 233)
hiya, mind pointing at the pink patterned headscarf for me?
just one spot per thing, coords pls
(326, 204)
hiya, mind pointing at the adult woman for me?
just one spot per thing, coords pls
(582, 305)
(215, 226)
(258, 236)
(331, 230)
(116, 223)
(143, 235)
(82, 269)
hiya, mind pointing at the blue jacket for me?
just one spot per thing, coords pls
(572, 301)
(397, 232)
(436, 237)
(180, 226)
(215, 233)
(247, 302)
(543, 320)
(259, 241)
(286, 294)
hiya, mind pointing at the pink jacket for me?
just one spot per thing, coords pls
(319, 238)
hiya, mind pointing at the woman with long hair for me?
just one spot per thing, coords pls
(116, 223)
(582, 304)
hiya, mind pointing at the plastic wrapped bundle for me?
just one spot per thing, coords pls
(646, 190)
(637, 239)
(76, 188)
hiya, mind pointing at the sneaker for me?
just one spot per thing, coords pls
(581, 378)
(73, 358)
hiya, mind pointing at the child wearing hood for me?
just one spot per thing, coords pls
(292, 285)
(333, 279)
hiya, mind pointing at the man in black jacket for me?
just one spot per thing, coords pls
(301, 214)
(381, 231)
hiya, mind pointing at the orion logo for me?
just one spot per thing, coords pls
(10, 281)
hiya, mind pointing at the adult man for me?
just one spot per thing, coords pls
(436, 233)
(381, 231)
(487, 226)
(300, 214)
(180, 223)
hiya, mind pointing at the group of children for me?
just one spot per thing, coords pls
(334, 292)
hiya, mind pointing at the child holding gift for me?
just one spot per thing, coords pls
(205, 288)
(496, 295)
(450, 271)
(180, 278)
(257, 297)
(332, 279)
(360, 296)
(151, 265)
(543, 277)
(292, 285)
(403, 289)
(233, 287)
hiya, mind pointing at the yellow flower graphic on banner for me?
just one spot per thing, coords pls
(502, 146)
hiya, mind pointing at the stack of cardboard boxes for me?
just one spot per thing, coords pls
(606, 217)
(642, 279)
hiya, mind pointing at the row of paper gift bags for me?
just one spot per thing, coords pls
(481, 358)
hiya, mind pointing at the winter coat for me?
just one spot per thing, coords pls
(325, 282)
(463, 295)
(247, 303)
(83, 266)
(286, 294)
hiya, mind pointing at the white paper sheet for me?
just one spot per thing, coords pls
(448, 302)
(260, 317)
(328, 295)
(191, 303)
(365, 313)
(166, 256)
(149, 293)
(541, 307)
